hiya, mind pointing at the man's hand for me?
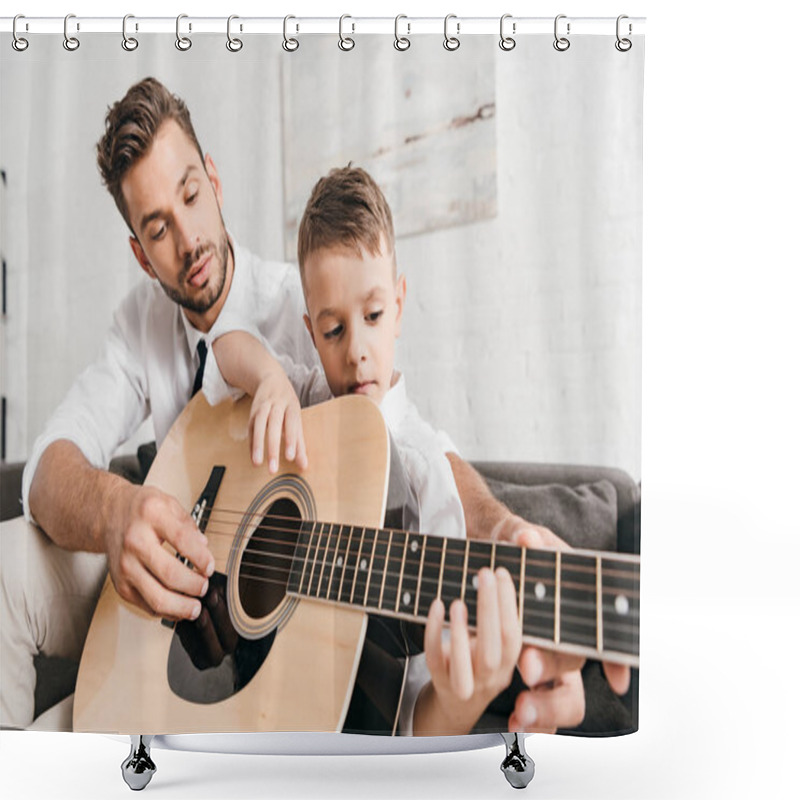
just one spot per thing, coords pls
(83, 508)
(555, 698)
(143, 571)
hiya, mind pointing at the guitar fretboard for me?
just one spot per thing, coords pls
(578, 601)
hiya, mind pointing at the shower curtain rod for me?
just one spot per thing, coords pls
(407, 25)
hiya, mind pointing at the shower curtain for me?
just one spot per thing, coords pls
(514, 179)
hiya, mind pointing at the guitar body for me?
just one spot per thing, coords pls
(295, 661)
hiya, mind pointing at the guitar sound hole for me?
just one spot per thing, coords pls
(267, 559)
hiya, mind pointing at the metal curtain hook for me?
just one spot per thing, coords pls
(129, 43)
(561, 43)
(451, 42)
(289, 44)
(345, 42)
(507, 42)
(233, 44)
(182, 42)
(71, 43)
(19, 43)
(623, 45)
(401, 42)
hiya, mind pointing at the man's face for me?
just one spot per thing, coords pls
(174, 200)
(354, 311)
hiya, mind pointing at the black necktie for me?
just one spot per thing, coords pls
(202, 350)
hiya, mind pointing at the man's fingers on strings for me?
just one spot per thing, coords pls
(545, 710)
(538, 666)
(173, 573)
(618, 677)
(186, 538)
(160, 601)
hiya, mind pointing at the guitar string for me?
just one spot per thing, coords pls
(348, 565)
(266, 519)
(240, 517)
(335, 530)
(322, 561)
(325, 571)
(452, 586)
(543, 615)
(616, 634)
(303, 549)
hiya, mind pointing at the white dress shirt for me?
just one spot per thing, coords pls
(150, 359)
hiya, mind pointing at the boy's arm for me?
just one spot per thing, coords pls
(245, 363)
(487, 518)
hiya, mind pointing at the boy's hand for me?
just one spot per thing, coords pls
(470, 671)
(245, 363)
(276, 411)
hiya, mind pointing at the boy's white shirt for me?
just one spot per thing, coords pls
(422, 453)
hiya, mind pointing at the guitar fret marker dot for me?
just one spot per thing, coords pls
(539, 590)
(475, 581)
(621, 605)
(339, 561)
(363, 565)
(414, 545)
(406, 598)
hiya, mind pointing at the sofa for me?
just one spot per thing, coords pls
(589, 507)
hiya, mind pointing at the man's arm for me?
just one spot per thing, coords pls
(555, 698)
(84, 508)
(485, 516)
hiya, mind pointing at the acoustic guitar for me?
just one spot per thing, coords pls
(301, 560)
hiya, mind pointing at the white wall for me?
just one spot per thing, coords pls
(522, 334)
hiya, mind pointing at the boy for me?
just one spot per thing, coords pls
(355, 304)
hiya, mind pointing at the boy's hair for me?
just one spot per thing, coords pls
(346, 209)
(131, 126)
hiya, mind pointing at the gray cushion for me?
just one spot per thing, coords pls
(583, 516)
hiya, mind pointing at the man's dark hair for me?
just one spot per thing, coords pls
(131, 125)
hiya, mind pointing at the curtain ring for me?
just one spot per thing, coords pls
(289, 44)
(129, 43)
(561, 43)
(183, 43)
(71, 43)
(623, 45)
(233, 44)
(451, 42)
(507, 42)
(345, 42)
(401, 42)
(19, 43)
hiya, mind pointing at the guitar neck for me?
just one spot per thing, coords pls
(576, 601)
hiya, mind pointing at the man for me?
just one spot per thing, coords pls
(170, 196)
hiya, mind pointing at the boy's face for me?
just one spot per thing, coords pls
(354, 311)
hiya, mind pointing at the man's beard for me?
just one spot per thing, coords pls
(201, 303)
